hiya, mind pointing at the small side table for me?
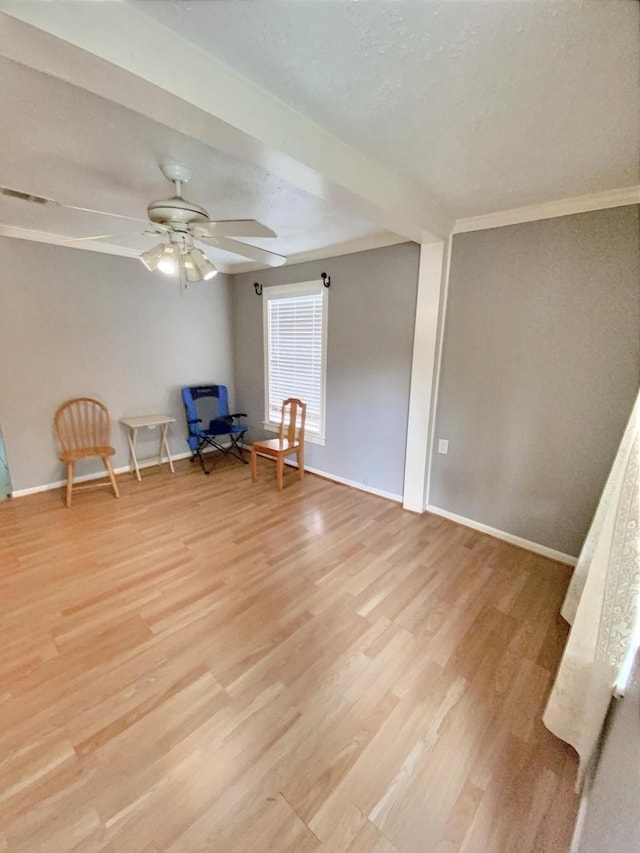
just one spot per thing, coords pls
(150, 422)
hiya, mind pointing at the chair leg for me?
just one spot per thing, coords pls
(301, 462)
(69, 482)
(237, 450)
(254, 464)
(280, 472)
(112, 476)
(202, 465)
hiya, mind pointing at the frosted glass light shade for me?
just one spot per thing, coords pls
(152, 256)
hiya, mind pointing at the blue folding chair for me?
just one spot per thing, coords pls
(210, 404)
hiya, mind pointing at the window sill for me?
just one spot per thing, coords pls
(312, 438)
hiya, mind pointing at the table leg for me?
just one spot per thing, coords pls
(164, 443)
(131, 438)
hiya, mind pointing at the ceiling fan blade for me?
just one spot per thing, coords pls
(93, 237)
(232, 228)
(247, 251)
(107, 236)
(103, 213)
(21, 195)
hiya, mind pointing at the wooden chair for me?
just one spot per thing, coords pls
(83, 428)
(290, 440)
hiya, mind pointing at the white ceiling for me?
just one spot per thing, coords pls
(333, 122)
(490, 104)
(70, 145)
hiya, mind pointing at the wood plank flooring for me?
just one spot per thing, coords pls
(210, 665)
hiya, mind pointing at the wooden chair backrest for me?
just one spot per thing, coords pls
(294, 412)
(83, 423)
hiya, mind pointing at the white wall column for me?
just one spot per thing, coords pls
(431, 287)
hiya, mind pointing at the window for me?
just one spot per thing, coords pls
(295, 340)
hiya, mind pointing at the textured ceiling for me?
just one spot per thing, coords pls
(65, 143)
(491, 105)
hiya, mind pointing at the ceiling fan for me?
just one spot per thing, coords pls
(184, 223)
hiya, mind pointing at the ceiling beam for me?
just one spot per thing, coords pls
(117, 52)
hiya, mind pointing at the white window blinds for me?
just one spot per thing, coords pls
(295, 350)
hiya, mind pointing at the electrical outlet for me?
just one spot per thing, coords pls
(443, 445)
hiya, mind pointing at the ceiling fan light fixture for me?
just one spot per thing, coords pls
(168, 263)
(151, 257)
(191, 272)
(203, 265)
(212, 273)
(184, 222)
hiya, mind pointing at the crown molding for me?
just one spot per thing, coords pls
(361, 244)
(549, 210)
(516, 216)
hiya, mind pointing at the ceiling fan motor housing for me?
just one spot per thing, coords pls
(176, 210)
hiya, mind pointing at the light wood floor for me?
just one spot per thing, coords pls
(208, 665)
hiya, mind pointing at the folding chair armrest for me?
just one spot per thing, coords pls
(223, 424)
(239, 415)
(194, 420)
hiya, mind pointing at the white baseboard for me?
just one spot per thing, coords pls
(390, 496)
(149, 463)
(543, 550)
(551, 553)
(98, 475)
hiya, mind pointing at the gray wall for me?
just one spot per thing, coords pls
(541, 365)
(75, 323)
(370, 341)
(612, 819)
